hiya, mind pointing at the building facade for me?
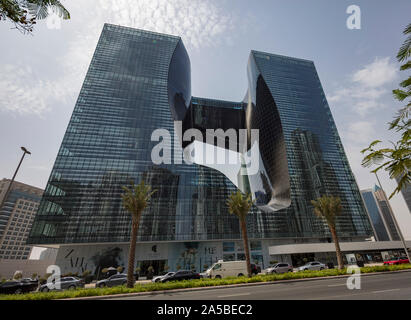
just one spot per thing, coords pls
(16, 218)
(139, 82)
(406, 193)
(380, 213)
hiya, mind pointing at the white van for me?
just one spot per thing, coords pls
(222, 269)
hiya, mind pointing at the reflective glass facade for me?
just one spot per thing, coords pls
(138, 82)
(316, 160)
(373, 209)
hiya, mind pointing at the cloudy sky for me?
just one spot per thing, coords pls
(41, 75)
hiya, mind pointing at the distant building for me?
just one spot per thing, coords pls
(16, 218)
(406, 193)
(380, 213)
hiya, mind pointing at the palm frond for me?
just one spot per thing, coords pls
(239, 204)
(405, 49)
(40, 8)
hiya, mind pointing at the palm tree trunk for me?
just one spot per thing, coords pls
(131, 254)
(337, 248)
(246, 247)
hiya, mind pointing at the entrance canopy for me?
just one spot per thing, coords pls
(329, 247)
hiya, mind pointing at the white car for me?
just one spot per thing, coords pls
(158, 278)
(281, 267)
(313, 265)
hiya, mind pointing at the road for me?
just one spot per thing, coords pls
(373, 287)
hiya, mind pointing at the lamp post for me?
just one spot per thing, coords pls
(12, 179)
(395, 221)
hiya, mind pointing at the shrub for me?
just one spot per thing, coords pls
(18, 275)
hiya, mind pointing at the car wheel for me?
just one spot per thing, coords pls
(273, 272)
(72, 287)
(102, 285)
(18, 291)
(240, 275)
(217, 277)
(45, 289)
(321, 268)
(124, 283)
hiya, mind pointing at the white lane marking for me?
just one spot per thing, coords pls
(337, 285)
(234, 295)
(385, 290)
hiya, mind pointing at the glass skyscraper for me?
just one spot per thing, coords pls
(380, 213)
(139, 81)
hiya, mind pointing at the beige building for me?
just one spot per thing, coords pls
(16, 218)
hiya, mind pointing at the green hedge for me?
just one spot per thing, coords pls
(192, 284)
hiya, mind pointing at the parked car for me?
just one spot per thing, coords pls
(397, 260)
(64, 283)
(164, 274)
(15, 286)
(114, 280)
(281, 267)
(181, 275)
(313, 265)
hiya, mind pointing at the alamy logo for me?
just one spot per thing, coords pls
(354, 20)
(205, 151)
(53, 281)
(354, 281)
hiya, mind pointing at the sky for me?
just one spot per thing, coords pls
(41, 74)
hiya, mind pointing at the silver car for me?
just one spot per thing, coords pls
(165, 274)
(313, 265)
(281, 267)
(62, 284)
(114, 280)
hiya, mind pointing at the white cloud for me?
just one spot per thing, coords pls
(366, 87)
(200, 24)
(25, 93)
(360, 132)
(376, 74)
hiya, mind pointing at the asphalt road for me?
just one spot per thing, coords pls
(373, 287)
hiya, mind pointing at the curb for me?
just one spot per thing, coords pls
(152, 293)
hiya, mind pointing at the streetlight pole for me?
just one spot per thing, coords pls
(395, 221)
(12, 179)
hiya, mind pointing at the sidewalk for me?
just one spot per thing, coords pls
(93, 284)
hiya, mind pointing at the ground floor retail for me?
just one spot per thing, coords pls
(367, 252)
(199, 255)
(160, 256)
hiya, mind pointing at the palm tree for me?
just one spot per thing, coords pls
(240, 205)
(25, 13)
(135, 200)
(328, 208)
